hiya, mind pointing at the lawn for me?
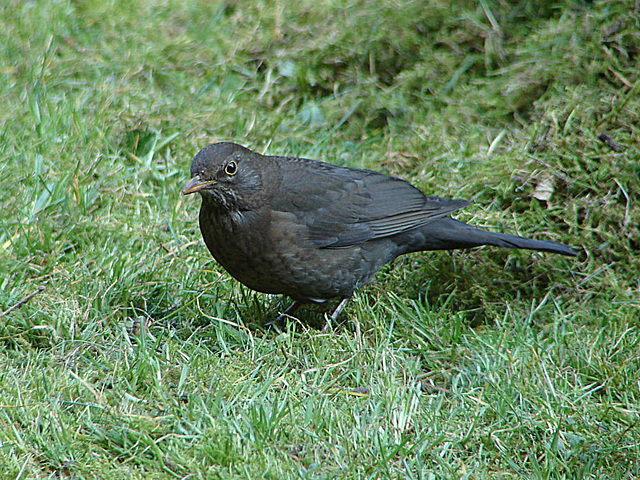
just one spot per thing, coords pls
(485, 363)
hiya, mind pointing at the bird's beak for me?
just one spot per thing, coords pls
(195, 185)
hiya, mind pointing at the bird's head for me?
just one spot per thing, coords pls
(228, 175)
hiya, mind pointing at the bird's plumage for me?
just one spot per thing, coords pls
(343, 207)
(314, 231)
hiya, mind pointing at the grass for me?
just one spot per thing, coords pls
(479, 364)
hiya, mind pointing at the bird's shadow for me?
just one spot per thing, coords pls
(477, 283)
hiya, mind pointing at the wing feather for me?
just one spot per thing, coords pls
(344, 206)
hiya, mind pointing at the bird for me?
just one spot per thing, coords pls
(315, 231)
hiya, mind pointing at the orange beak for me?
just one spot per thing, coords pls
(195, 185)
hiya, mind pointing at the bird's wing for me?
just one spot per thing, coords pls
(342, 206)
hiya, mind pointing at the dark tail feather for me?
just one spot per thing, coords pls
(512, 241)
(447, 234)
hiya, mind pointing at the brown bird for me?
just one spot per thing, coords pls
(315, 231)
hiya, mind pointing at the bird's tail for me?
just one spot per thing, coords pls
(447, 233)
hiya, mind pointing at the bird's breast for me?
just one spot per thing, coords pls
(270, 251)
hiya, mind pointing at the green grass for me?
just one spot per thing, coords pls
(478, 364)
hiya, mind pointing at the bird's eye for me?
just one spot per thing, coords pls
(231, 168)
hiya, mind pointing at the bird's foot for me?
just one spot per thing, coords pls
(279, 321)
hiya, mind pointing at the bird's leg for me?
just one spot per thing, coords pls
(336, 313)
(291, 309)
